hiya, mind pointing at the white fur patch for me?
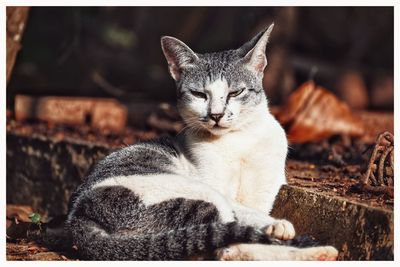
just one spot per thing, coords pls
(153, 189)
(218, 90)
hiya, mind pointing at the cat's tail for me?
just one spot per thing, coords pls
(178, 244)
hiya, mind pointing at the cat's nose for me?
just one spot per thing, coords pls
(216, 116)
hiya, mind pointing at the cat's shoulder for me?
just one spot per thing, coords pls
(164, 144)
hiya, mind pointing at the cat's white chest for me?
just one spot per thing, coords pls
(229, 163)
(245, 166)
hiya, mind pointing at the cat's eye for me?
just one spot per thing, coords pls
(198, 94)
(236, 93)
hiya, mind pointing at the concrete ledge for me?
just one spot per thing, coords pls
(358, 231)
(43, 173)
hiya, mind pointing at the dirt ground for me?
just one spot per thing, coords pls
(22, 250)
(335, 181)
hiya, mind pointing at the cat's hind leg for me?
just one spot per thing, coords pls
(253, 252)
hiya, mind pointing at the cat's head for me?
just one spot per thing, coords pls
(218, 92)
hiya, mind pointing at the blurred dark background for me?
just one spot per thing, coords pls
(115, 51)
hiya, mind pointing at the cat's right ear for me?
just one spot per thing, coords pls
(178, 55)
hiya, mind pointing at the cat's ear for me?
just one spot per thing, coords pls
(245, 48)
(255, 58)
(178, 55)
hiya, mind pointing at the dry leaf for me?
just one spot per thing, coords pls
(20, 212)
(313, 113)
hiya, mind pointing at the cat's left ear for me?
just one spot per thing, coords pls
(255, 59)
(178, 55)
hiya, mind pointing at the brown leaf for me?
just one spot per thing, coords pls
(313, 113)
(20, 212)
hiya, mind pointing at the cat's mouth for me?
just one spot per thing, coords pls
(218, 129)
(217, 126)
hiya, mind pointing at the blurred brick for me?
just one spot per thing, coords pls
(352, 90)
(102, 114)
(382, 93)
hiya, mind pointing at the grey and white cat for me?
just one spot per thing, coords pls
(206, 193)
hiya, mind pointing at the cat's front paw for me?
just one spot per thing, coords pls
(281, 229)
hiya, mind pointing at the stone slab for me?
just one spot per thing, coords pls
(358, 231)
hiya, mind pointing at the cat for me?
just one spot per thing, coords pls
(208, 191)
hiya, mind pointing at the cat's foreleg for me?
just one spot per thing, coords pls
(281, 229)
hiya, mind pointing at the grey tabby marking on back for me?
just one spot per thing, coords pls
(205, 193)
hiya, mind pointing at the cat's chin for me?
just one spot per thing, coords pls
(218, 131)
